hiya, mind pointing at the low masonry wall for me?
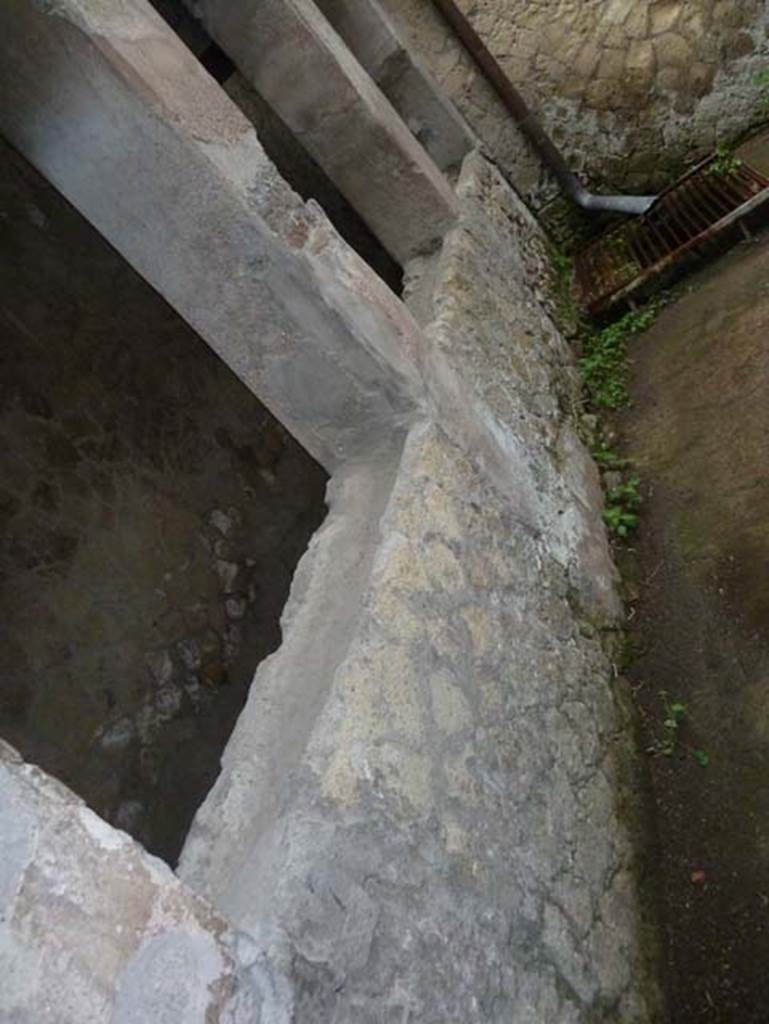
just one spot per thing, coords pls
(422, 814)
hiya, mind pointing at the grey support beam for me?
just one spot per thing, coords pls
(110, 106)
(302, 68)
(373, 38)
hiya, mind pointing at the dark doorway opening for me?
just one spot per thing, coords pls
(152, 513)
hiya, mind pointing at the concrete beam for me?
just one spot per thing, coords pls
(430, 115)
(110, 106)
(302, 68)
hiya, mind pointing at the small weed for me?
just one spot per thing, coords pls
(622, 505)
(666, 743)
(562, 264)
(627, 652)
(675, 712)
(607, 458)
(725, 163)
(567, 305)
(603, 365)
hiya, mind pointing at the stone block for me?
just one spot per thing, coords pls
(587, 60)
(664, 15)
(692, 26)
(637, 24)
(739, 45)
(617, 11)
(602, 94)
(640, 60)
(701, 77)
(729, 14)
(614, 36)
(672, 51)
(669, 79)
(611, 64)
(94, 929)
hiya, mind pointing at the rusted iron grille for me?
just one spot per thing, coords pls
(699, 206)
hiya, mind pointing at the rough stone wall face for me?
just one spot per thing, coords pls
(493, 329)
(93, 929)
(440, 837)
(631, 89)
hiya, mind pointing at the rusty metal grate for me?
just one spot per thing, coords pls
(697, 207)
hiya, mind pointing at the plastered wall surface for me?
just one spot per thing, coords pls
(632, 90)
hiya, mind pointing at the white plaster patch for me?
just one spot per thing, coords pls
(18, 836)
(169, 980)
(103, 834)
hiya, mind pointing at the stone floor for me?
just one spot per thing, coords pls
(698, 434)
(151, 516)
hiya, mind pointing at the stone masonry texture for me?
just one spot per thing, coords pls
(442, 834)
(632, 90)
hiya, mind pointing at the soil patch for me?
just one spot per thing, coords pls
(698, 434)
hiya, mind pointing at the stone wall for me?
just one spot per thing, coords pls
(423, 813)
(632, 90)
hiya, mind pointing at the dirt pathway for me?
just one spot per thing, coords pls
(698, 434)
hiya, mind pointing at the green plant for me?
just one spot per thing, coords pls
(607, 458)
(563, 281)
(669, 740)
(603, 363)
(724, 163)
(627, 652)
(675, 712)
(562, 264)
(622, 504)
